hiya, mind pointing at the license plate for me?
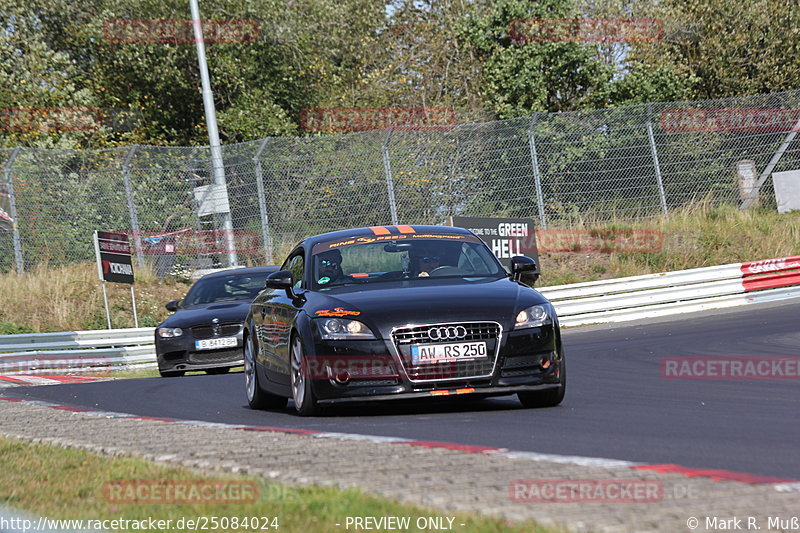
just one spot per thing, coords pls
(213, 344)
(438, 353)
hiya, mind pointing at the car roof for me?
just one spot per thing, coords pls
(243, 271)
(381, 230)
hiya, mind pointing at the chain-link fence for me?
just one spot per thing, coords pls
(558, 168)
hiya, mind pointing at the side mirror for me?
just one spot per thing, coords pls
(282, 279)
(524, 269)
(173, 305)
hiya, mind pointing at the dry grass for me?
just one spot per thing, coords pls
(59, 298)
(69, 297)
(697, 236)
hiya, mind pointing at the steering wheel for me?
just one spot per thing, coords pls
(445, 270)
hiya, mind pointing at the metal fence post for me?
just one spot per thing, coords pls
(776, 157)
(537, 178)
(387, 167)
(656, 164)
(262, 203)
(13, 209)
(126, 177)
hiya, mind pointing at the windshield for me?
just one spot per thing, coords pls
(370, 260)
(236, 286)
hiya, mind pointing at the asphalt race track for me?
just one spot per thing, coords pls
(617, 405)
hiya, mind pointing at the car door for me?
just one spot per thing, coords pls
(278, 316)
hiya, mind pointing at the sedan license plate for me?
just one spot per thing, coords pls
(213, 344)
(440, 353)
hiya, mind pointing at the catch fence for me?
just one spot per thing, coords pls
(558, 168)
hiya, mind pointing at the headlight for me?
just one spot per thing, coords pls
(341, 328)
(168, 333)
(534, 316)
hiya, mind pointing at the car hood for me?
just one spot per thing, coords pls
(401, 303)
(233, 311)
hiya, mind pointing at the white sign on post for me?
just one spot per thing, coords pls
(787, 190)
(211, 199)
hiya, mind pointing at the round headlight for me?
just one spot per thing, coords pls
(354, 327)
(333, 326)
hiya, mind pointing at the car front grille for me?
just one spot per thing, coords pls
(224, 330)
(489, 332)
(216, 356)
(372, 382)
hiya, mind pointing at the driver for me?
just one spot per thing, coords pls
(329, 267)
(423, 259)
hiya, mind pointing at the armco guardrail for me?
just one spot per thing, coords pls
(613, 300)
(77, 351)
(697, 289)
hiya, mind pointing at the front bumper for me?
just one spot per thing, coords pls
(481, 391)
(341, 371)
(180, 354)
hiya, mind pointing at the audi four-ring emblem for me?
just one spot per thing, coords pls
(447, 333)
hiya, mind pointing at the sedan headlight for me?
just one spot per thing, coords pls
(534, 316)
(341, 328)
(169, 333)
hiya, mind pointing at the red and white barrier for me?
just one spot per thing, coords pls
(771, 273)
(666, 293)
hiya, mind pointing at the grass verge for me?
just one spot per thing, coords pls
(46, 480)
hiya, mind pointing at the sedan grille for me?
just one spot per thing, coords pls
(216, 356)
(222, 330)
(489, 332)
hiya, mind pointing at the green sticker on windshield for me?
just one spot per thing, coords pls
(323, 280)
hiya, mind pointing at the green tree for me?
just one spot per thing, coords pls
(301, 53)
(36, 81)
(727, 47)
(522, 75)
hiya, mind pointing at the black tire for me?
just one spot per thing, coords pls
(305, 401)
(217, 371)
(257, 397)
(549, 397)
(172, 374)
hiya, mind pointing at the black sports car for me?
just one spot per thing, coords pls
(391, 312)
(205, 333)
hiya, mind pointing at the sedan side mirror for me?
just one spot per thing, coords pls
(173, 305)
(524, 269)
